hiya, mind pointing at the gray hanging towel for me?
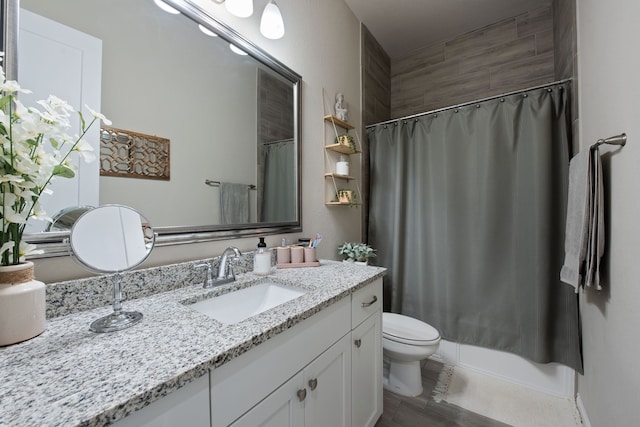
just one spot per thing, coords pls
(584, 234)
(234, 203)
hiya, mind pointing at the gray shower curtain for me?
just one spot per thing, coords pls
(467, 212)
(278, 201)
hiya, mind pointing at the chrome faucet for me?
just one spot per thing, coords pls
(225, 271)
(208, 282)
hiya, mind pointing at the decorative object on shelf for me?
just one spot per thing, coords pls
(22, 304)
(130, 154)
(342, 166)
(35, 151)
(346, 196)
(346, 140)
(357, 252)
(341, 107)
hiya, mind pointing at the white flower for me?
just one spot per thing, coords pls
(28, 249)
(98, 116)
(85, 150)
(35, 148)
(11, 87)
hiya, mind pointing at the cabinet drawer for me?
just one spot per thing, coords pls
(366, 301)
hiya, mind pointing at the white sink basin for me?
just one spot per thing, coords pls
(239, 305)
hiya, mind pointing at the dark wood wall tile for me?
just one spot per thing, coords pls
(509, 55)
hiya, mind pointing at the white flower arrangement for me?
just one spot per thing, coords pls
(356, 251)
(35, 150)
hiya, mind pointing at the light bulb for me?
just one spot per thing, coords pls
(239, 8)
(207, 31)
(271, 24)
(162, 5)
(236, 49)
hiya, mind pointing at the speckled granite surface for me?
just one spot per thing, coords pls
(85, 294)
(69, 376)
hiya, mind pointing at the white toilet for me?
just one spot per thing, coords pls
(405, 342)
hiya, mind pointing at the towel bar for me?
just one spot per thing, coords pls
(217, 183)
(620, 140)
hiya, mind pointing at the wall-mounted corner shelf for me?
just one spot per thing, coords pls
(342, 149)
(332, 152)
(338, 176)
(341, 123)
(342, 204)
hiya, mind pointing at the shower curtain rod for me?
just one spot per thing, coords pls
(470, 103)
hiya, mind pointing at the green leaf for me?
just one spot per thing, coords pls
(82, 122)
(5, 100)
(54, 143)
(63, 171)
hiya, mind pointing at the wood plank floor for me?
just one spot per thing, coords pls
(400, 411)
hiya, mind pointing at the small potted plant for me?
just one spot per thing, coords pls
(358, 253)
(346, 140)
(346, 196)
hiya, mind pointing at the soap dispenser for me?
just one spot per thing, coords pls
(262, 259)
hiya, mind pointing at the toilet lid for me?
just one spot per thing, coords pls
(408, 330)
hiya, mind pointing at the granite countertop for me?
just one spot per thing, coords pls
(69, 376)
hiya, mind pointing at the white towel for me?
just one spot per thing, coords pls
(234, 203)
(584, 235)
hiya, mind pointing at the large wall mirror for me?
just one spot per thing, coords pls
(228, 163)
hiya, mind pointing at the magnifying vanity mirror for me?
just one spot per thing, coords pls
(194, 124)
(112, 239)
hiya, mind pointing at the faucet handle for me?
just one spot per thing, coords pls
(208, 282)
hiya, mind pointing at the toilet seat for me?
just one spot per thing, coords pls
(407, 330)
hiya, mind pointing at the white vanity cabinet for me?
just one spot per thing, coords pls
(366, 355)
(189, 403)
(324, 371)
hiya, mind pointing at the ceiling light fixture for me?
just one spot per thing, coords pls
(237, 50)
(271, 24)
(162, 5)
(239, 8)
(207, 31)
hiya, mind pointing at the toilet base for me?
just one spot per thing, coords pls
(403, 378)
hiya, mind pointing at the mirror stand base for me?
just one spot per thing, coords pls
(116, 321)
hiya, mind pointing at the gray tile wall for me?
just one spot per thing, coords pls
(509, 55)
(566, 53)
(376, 101)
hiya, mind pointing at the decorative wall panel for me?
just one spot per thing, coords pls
(130, 154)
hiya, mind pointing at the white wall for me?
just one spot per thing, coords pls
(609, 91)
(322, 43)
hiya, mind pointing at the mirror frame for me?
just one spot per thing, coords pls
(53, 243)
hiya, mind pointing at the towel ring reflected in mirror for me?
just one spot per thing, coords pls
(112, 239)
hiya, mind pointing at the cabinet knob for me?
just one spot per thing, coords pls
(313, 384)
(370, 303)
(302, 394)
(358, 342)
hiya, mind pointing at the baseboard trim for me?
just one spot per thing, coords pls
(553, 378)
(583, 411)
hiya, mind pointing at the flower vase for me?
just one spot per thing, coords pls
(22, 304)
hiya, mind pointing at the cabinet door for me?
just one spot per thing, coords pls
(328, 383)
(282, 408)
(366, 362)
